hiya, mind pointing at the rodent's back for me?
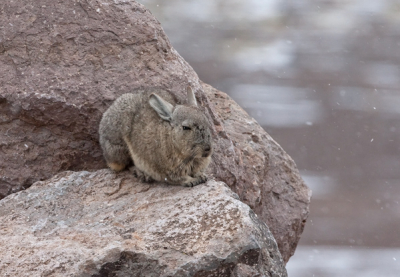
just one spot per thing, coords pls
(128, 110)
(149, 139)
(117, 120)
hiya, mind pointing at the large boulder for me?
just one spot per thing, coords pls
(63, 62)
(259, 171)
(100, 224)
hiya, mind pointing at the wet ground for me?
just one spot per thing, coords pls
(323, 79)
(328, 261)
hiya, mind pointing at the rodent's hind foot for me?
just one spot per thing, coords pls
(116, 166)
(196, 181)
(143, 177)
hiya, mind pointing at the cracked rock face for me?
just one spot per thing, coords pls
(100, 224)
(259, 171)
(63, 62)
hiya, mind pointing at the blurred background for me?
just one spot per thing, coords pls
(323, 79)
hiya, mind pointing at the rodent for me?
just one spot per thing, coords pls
(167, 141)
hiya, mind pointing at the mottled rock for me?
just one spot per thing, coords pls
(63, 62)
(258, 170)
(100, 224)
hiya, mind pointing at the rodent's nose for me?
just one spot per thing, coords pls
(207, 151)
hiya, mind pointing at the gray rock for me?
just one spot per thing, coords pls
(103, 224)
(63, 62)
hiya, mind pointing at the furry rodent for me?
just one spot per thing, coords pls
(166, 141)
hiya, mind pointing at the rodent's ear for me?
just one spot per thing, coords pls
(191, 98)
(162, 107)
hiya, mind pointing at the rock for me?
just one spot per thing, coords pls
(100, 224)
(63, 62)
(259, 171)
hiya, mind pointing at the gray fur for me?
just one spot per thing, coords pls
(151, 129)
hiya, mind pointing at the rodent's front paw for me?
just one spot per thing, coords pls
(191, 184)
(203, 178)
(196, 181)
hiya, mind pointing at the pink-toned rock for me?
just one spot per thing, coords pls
(99, 224)
(61, 65)
(62, 62)
(257, 168)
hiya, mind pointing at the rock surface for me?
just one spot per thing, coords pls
(100, 224)
(259, 171)
(63, 62)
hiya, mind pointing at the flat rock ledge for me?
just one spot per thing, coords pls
(106, 224)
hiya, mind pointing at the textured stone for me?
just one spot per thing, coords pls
(259, 171)
(63, 62)
(61, 65)
(100, 224)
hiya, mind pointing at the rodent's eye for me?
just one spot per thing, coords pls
(186, 128)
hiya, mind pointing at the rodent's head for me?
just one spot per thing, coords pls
(191, 131)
